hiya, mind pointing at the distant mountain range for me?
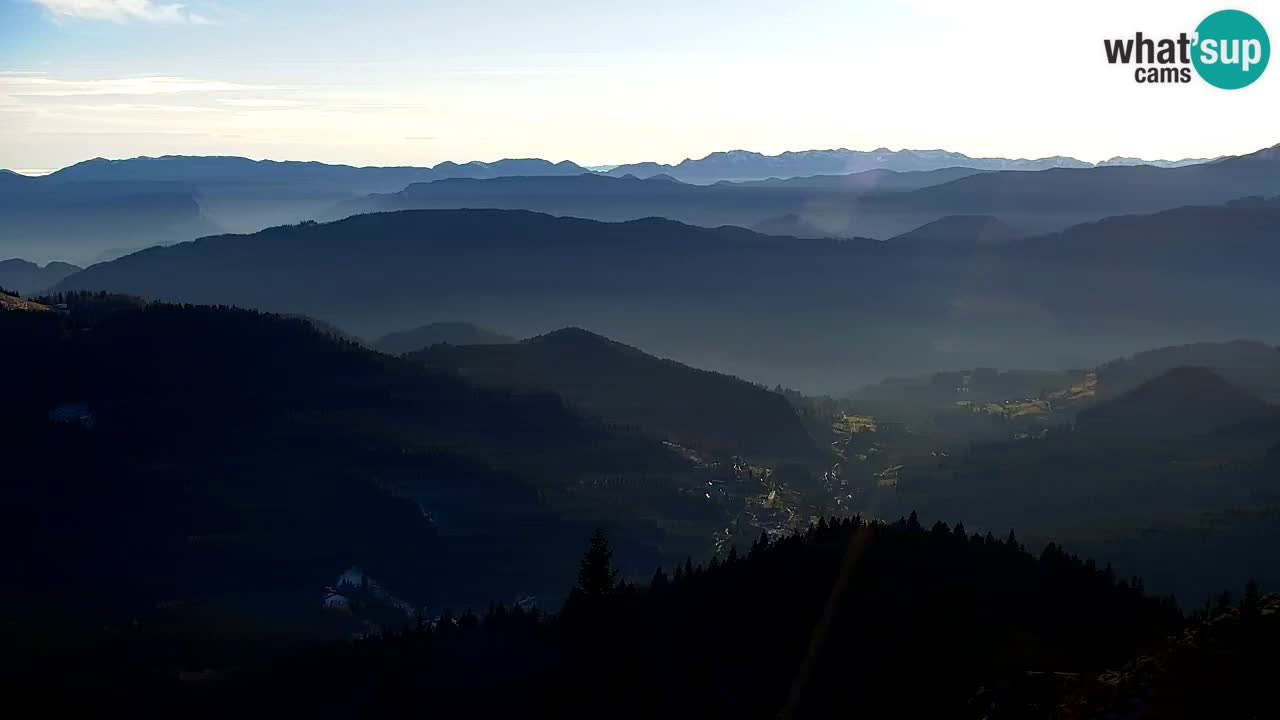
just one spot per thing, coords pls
(89, 211)
(216, 170)
(749, 304)
(93, 208)
(739, 165)
(734, 165)
(1117, 160)
(878, 180)
(876, 203)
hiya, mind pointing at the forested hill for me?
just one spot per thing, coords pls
(705, 410)
(210, 455)
(436, 333)
(849, 618)
(1182, 401)
(1250, 365)
(735, 299)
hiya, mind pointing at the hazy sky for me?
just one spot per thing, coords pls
(383, 82)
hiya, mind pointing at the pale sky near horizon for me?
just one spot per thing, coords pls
(399, 82)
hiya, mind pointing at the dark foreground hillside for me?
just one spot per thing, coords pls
(1223, 665)
(848, 618)
(203, 506)
(221, 460)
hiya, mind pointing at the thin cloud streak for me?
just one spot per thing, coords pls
(121, 11)
(29, 85)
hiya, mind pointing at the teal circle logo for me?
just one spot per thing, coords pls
(1232, 49)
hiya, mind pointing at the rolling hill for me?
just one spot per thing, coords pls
(827, 203)
(748, 304)
(1184, 401)
(960, 231)
(790, 225)
(1249, 365)
(29, 278)
(695, 408)
(437, 333)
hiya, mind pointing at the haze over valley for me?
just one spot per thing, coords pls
(390, 361)
(1164, 255)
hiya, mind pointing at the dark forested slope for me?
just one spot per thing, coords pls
(882, 618)
(197, 453)
(1182, 401)
(700, 409)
